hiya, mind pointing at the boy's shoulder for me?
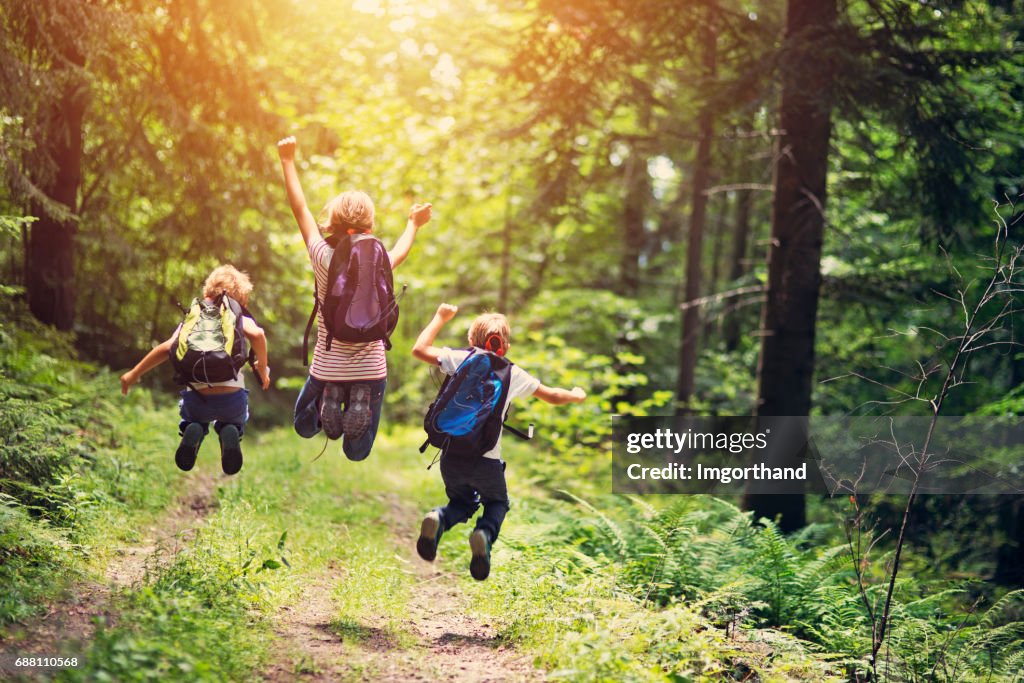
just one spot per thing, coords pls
(522, 381)
(449, 359)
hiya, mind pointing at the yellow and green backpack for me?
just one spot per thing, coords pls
(210, 346)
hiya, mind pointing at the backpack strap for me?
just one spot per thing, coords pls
(444, 385)
(251, 360)
(398, 297)
(247, 313)
(525, 436)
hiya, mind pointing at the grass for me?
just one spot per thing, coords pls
(285, 523)
(281, 525)
(600, 631)
(87, 474)
(206, 610)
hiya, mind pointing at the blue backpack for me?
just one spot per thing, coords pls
(467, 415)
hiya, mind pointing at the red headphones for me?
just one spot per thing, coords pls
(495, 345)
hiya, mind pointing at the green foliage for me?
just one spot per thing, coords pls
(58, 484)
(529, 127)
(33, 560)
(53, 415)
(741, 578)
(11, 226)
(629, 604)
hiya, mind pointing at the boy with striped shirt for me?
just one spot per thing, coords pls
(344, 392)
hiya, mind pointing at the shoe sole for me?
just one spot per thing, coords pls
(480, 564)
(426, 544)
(230, 450)
(356, 419)
(331, 417)
(188, 449)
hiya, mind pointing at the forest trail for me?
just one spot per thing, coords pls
(71, 622)
(436, 640)
(167, 536)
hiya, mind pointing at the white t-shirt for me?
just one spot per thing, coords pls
(345, 362)
(521, 383)
(237, 383)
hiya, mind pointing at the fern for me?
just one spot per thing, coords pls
(615, 535)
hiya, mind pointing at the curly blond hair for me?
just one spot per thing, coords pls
(228, 279)
(487, 324)
(351, 210)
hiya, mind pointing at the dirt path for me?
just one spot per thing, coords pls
(438, 640)
(70, 622)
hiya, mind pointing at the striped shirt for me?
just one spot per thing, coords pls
(345, 362)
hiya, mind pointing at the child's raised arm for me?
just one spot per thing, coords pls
(560, 397)
(258, 338)
(157, 355)
(419, 215)
(424, 348)
(296, 199)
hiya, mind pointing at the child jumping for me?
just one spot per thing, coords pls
(345, 389)
(476, 479)
(225, 403)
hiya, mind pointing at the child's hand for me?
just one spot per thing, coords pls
(264, 374)
(578, 395)
(286, 148)
(419, 214)
(127, 380)
(446, 312)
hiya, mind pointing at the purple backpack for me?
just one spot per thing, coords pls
(359, 304)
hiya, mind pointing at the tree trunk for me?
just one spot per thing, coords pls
(786, 363)
(737, 267)
(690, 332)
(1010, 555)
(711, 325)
(49, 277)
(638, 188)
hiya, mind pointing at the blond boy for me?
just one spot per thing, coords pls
(478, 479)
(226, 404)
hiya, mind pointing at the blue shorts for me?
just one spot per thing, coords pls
(307, 413)
(221, 409)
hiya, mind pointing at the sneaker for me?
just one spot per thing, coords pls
(330, 410)
(230, 449)
(480, 545)
(188, 449)
(430, 535)
(356, 419)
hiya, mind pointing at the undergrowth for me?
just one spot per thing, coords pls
(690, 588)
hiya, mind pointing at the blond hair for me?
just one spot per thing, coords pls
(351, 210)
(487, 324)
(228, 279)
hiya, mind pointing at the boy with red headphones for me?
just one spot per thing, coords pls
(478, 480)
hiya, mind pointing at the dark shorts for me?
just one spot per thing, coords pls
(221, 409)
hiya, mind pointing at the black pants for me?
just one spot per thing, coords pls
(469, 482)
